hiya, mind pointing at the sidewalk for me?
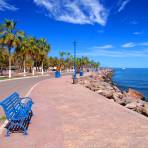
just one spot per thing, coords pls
(71, 116)
(31, 76)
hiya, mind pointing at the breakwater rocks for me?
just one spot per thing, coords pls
(101, 83)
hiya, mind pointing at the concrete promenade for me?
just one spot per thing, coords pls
(71, 116)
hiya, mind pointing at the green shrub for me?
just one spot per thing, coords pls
(3, 118)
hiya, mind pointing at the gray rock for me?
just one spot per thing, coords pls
(102, 87)
(116, 89)
(105, 93)
(93, 88)
(109, 87)
(120, 101)
(132, 105)
(128, 100)
(117, 95)
(125, 94)
(145, 109)
(140, 103)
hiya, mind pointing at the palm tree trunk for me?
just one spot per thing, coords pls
(33, 69)
(36, 66)
(42, 68)
(24, 63)
(9, 65)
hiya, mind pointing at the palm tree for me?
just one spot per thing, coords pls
(84, 62)
(23, 50)
(94, 65)
(32, 50)
(69, 60)
(3, 59)
(10, 39)
(44, 48)
(62, 64)
(78, 64)
(23, 47)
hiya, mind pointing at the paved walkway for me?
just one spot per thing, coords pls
(71, 116)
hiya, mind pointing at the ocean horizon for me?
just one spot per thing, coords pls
(136, 78)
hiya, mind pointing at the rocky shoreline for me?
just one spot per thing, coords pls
(102, 84)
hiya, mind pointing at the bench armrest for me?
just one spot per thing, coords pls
(26, 99)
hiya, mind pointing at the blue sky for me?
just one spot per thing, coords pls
(113, 32)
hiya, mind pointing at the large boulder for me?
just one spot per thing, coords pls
(106, 93)
(120, 101)
(131, 105)
(135, 94)
(145, 109)
(116, 89)
(117, 95)
(128, 100)
(93, 88)
(140, 103)
(84, 81)
(136, 106)
(109, 87)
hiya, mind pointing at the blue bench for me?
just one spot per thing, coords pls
(18, 112)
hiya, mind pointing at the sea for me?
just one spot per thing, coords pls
(136, 78)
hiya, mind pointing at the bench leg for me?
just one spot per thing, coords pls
(8, 129)
(23, 127)
(19, 124)
(25, 132)
(31, 112)
(7, 133)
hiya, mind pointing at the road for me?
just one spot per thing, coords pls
(22, 86)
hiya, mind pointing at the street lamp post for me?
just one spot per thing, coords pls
(75, 67)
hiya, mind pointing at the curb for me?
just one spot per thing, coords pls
(23, 78)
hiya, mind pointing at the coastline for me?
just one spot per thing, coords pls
(102, 83)
(126, 89)
(135, 78)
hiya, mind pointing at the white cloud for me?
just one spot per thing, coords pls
(115, 53)
(122, 4)
(77, 11)
(126, 45)
(108, 46)
(132, 44)
(5, 6)
(129, 45)
(137, 33)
